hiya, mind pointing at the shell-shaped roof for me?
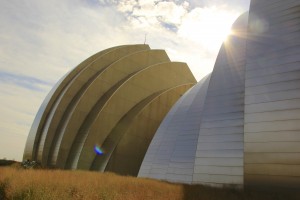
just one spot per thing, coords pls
(95, 105)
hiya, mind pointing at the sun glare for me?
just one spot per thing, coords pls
(209, 27)
(227, 33)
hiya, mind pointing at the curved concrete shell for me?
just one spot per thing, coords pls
(33, 139)
(146, 117)
(97, 103)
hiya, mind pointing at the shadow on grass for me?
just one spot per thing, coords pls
(3, 187)
(199, 192)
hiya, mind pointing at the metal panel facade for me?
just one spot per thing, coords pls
(201, 140)
(272, 100)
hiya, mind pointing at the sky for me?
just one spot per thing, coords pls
(43, 40)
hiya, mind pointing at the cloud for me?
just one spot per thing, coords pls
(18, 108)
(42, 40)
(53, 36)
(31, 83)
(157, 14)
(239, 5)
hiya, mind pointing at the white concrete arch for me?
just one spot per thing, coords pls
(126, 142)
(139, 86)
(72, 92)
(34, 137)
(94, 96)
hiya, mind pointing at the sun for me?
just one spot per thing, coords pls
(215, 31)
(209, 27)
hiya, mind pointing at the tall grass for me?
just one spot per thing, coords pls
(57, 184)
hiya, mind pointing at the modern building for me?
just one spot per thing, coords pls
(111, 103)
(239, 126)
(201, 138)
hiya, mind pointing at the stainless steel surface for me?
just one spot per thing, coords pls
(272, 101)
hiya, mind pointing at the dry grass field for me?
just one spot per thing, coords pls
(19, 184)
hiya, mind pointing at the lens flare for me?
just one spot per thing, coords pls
(98, 150)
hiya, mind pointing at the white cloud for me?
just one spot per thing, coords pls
(127, 6)
(42, 40)
(53, 36)
(145, 13)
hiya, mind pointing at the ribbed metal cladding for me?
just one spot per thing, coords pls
(201, 139)
(171, 154)
(249, 129)
(107, 102)
(220, 148)
(272, 95)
